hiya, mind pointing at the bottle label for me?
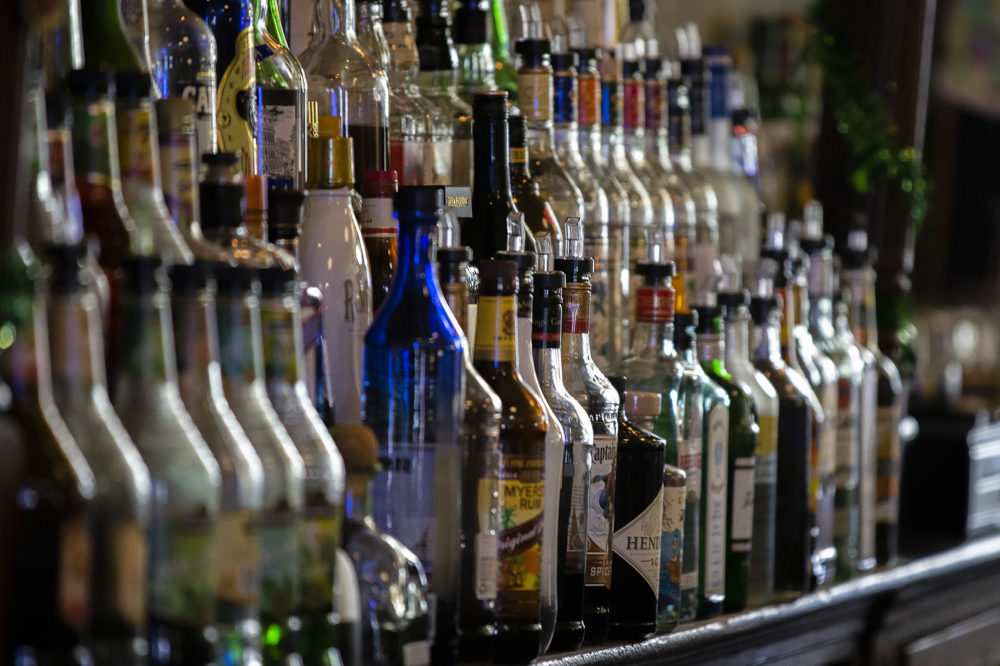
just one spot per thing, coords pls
(716, 477)
(848, 446)
(320, 536)
(75, 565)
(417, 653)
(179, 174)
(866, 542)
(237, 114)
(887, 483)
(535, 94)
(376, 218)
(589, 94)
(496, 330)
(92, 144)
(546, 326)
(488, 509)
(280, 580)
(600, 510)
(201, 92)
(671, 546)
(576, 309)
(576, 527)
(183, 577)
(238, 558)
(279, 131)
(654, 304)
(638, 542)
(519, 543)
(655, 106)
(486, 566)
(741, 504)
(634, 103)
(828, 453)
(278, 338)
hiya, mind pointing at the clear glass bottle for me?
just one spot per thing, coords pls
(577, 438)
(500, 41)
(339, 269)
(186, 478)
(122, 503)
(588, 386)
(184, 64)
(371, 35)
(394, 599)
(476, 66)
(414, 495)
(65, 226)
(606, 238)
(199, 378)
(139, 155)
(538, 214)
(345, 82)
(175, 125)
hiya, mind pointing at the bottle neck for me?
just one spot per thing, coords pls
(416, 253)
(197, 344)
(576, 321)
(540, 141)
(821, 317)
(679, 124)
(476, 67)
(63, 179)
(95, 144)
(546, 334)
(520, 167)
(147, 351)
(496, 339)
(357, 500)
(491, 172)
(75, 341)
(272, 21)
(404, 59)
(767, 342)
(712, 349)
(737, 339)
(335, 18)
(240, 344)
(457, 296)
(788, 323)
(861, 313)
(567, 139)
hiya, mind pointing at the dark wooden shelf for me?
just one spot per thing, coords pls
(875, 619)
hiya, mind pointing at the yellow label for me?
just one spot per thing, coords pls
(239, 575)
(517, 155)
(496, 328)
(535, 94)
(237, 103)
(519, 543)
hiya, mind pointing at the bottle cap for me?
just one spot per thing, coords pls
(636, 11)
(89, 83)
(275, 279)
(191, 278)
(631, 68)
(565, 62)
(497, 276)
(55, 109)
(516, 126)
(525, 261)
(642, 404)
(653, 66)
(333, 166)
(379, 184)
(452, 262)
(761, 308)
(470, 26)
(732, 300)
(285, 213)
(142, 276)
(707, 318)
(684, 325)
(548, 285)
(221, 204)
(655, 272)
(64, 263)
(234, 279)
(174, 115)
(133, 84)
(587, 60)
(357, 445)
(490, 105)
(220, 159)
(534, 52)
(427, 198)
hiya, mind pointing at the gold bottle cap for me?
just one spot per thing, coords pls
(357, 445)
(333, 165)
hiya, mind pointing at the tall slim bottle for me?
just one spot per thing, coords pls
(588, 386)
(485, 233)
(323, 511)
(121, 506)
(638, 518)
(577, 447)
(183, 64)
(418, 418)
(199, 377)
(186, 479)
(539, 216)
(522, 466)
(859, 276)
(480, 456)
(334, 259)
(344, 82)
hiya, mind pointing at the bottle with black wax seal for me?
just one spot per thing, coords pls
(588, 385)
(638, 519)
(521, 468)
(538, 214)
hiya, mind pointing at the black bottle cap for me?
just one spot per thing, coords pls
(516, 127)
(284, 214)
(620, 383)
(812, 245)
(761, 308)
(142, 275)
(655, 271)
(565, 62)
(55, 109)
(89, 83)
(452, 263)
(419, 197)
(191, 278)
(684, 326)
(732, 300)
(577, 269)
(549, 285)
(533, 52)
(234, 279)
(433, 40)
(133, 84)
(630, 68)
(220, 159)
(490, 105)
(497, 276)
(65, 263)
(525, 261)
(470, 26)
(587, 59)
(394, 11)
(636, 10)
(653, 66)
(221, 205)
(706, 316)
(275, 279)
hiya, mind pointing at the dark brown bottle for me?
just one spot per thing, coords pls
(538, 214)
(378, 228)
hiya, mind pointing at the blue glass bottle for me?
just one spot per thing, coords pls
(412, 397)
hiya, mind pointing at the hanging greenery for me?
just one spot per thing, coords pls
(862, 118)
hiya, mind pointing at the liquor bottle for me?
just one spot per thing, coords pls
(480, 455)
(476, 67)
(567, 140)
(394, 630)
(744, 433)
(793, 514)
(850, 376)
(122, 503)
(500, 40)
(606, 237)
(175, 126)
(184, 65)
(534, 81)
(378, 228)
(61, 47)
(588, 386)
(135, 19)
(47, 598)
(486, 231)
(859, 277)
(199, 377)
(577, 442)
(232, 23)
(538, 214)
(641, 215)
(419, 134)
(65, 226)
(371, 35)
(106, 43)
(140, 167)
(638, 519)
(344, 83)
(185, 509)
(765, 406)
(414, 496)
(521, 469)
(281, 106)
(553, 449)
(334, 259)
(668, 603)
(438, 78)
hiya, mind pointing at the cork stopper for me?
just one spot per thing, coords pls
(357, 445)
(639, 404)
(331, 158)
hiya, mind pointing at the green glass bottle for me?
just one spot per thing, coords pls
(105, 43)
(743, 437)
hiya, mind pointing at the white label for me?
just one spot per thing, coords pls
(599, 510)
(376, 218)
(715, 504)
(638, 542)
(417, 654)
(278, 140)
(486, 566)
(742, 501)
(689, 580)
